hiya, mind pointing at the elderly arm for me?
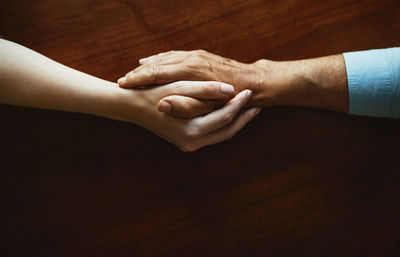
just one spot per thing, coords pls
(319, 82)
(362, 83)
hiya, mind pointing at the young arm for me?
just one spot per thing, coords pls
(30, 79)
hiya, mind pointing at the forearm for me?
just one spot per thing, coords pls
(319, 82)
(30, 79)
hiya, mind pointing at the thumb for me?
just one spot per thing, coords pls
(187, 107)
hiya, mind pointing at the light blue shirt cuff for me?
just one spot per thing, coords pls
(374, 82)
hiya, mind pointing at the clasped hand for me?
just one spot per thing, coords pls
(196, 109)
(190, 98)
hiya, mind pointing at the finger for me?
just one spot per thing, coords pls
(152, 57)
(175, 57)
(201, 89)
(230, 130)
(187, 107)
(137, 69)
(155, 74)
(165, 58)
(223, 116)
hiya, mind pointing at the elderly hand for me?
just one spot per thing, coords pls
(318, 82)
(196, 65)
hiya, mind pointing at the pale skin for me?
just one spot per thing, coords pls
(30, 79)
(319, 82)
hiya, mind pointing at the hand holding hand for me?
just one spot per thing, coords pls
(194, 133)
(195, 65)
(202, 100)
(55, 86)
(318, 82)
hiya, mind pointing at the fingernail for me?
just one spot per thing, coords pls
(121, 80)
(249, 93)
(164, 106)
(257, 111)
(227, 89)
(143, 60)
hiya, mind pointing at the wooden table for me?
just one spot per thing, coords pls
(294, 182)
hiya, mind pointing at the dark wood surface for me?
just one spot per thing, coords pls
(294, 182)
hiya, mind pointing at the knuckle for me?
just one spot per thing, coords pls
(187, 106)
(165, 55)
(261, 62)
(184, 104)
(196, 53)
(197, 61)
(226, 61)
(208, 90)
(154, 72)
(130, 76)
(228, 117)
(208, 65)
(184, 108)
(201, 51)
(191, 133)
(193, 63)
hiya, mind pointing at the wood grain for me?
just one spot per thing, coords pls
(295, 182)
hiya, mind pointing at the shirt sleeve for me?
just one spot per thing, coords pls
(374, 82)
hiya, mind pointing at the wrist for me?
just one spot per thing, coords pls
(104, 99)
(135, 106)
(269, 83)
(319, 82)
(107, 99)
(125, 105)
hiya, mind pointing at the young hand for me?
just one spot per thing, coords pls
(188, 134)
